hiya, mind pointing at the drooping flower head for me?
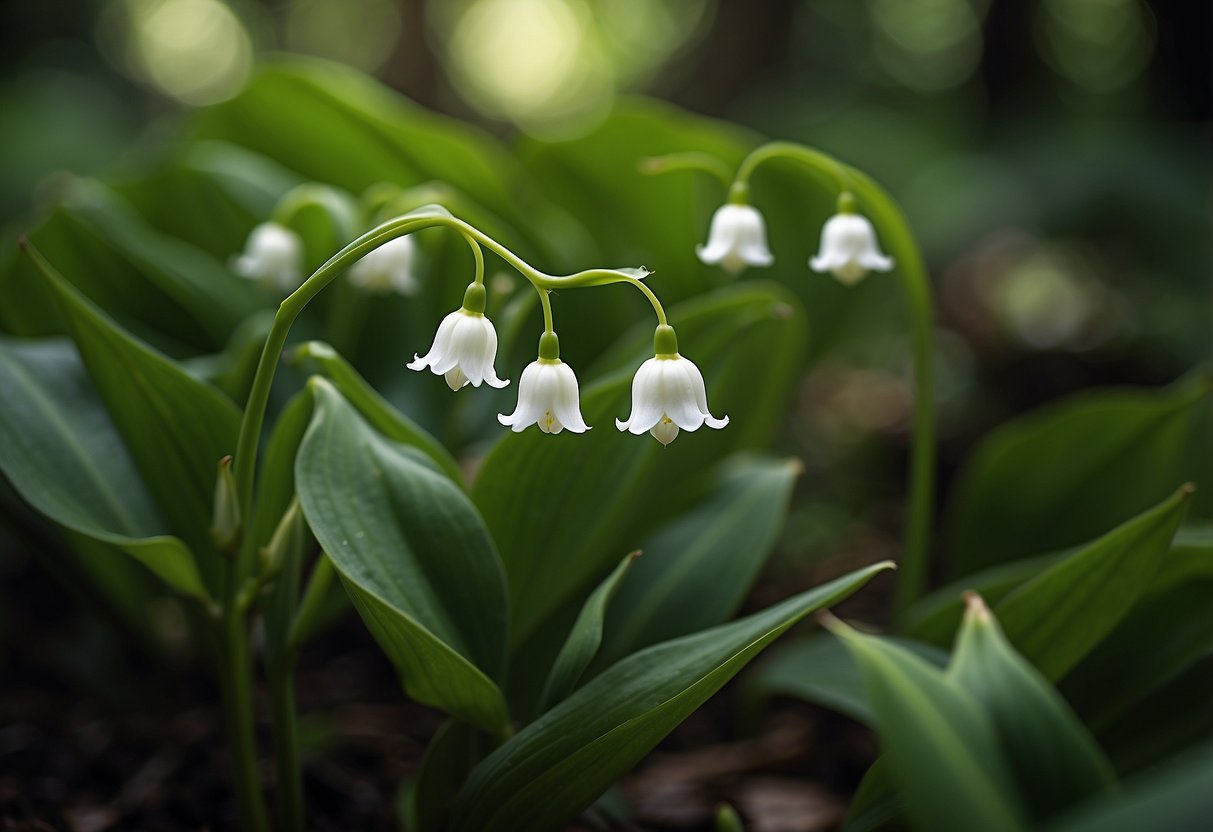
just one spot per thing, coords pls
(388, 268)
(273, 256)
(668, 394)
(848, 246)
(736, 239)
(547, 394)
(465, 346)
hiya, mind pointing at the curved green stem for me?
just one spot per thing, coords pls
(691, 160)
(916, 287)
(546, 303)
(478, 254)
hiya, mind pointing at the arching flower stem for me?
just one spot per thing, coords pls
(852, 185)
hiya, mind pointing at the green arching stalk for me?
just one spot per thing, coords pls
(690, 160)
(916, 287)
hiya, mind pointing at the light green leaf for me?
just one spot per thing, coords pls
(558, 541)
(941, 746)
(1063, 613)
(1054, 760)
(698, 569)
(1068, 471)
(63, 455)
(583, 640)
(413, 555)
(175, 427)
(876, 803)
(820, 669)
(560, 763)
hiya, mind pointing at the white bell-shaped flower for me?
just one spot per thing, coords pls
(547, 396)
(849, 249)
(273, 256)
(465, 346)
(668, 394)
(388, 268)
(737, 238)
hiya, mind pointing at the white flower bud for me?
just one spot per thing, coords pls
(737, 238)
(849, 250)
(273, 256)
(388, 268)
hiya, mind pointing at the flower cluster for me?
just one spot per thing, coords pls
(738, 238)
(668, 392)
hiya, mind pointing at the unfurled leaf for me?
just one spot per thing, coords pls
(1060, 615)
(414, 557)
(560, 763)
(175, 427)
(942, 747)
(698, 568)
(584, 639)
(1053, 758)
(1068, 471)
(64, 456)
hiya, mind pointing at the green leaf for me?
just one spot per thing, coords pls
(560, 763)
(335, 125)
(876, 804)
(413, 555)
(558, 541)
(1054, 760)
(1066, 472)
(699, 568)
(820, 669)
(583, 640)
(164, 289)
(1174, 798)
(941, 746)
(374, 408)
(450, 756)
(175, 427)
(63, 455)
(1063, 613)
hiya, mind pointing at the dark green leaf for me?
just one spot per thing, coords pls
(1054, 760)
(175, 427)
(413, 555)
(1060, 615)
(584, 639)
(558, 764)
(62, 453)
(1068, 471)
(698, 568)
(941, 746)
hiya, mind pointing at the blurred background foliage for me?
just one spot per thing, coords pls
(1052, 156)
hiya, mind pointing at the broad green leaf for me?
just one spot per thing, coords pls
(163, 289)
(63, 455)
(1053, 758)
(820, 669)
(1066, 472)
(175, 427)
(211, 194)
(430, 796)
(560, 763)
(1064, 612)
(1175, 797)
(559, 540)
(583, 640)
(413, 555)
(698, 569)
(386, 419)
(941, 746)
(335, 125)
